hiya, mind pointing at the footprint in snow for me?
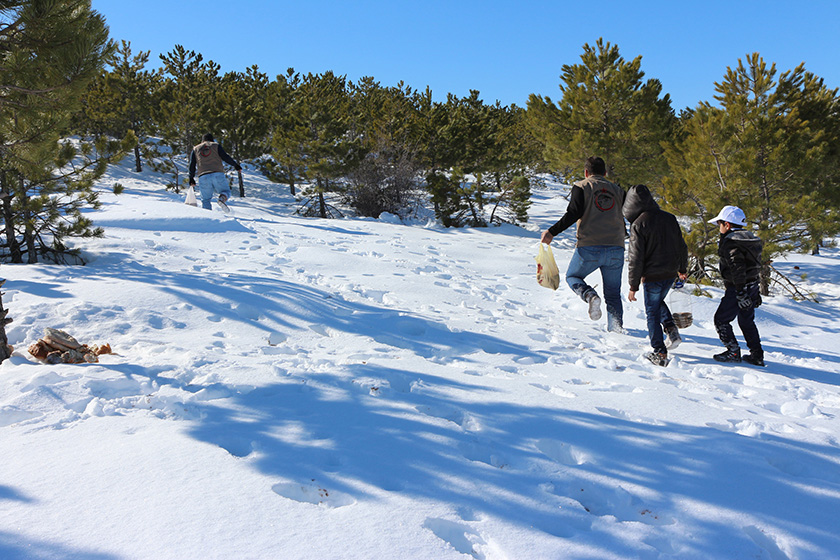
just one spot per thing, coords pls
(554, 390)
(12, 415)
(459, 536)
(312, 492)
(235, 445)
(743, 427)
(800, 469)
(459, 417)
(767, 542)
(623, 415)
(616, 502)
(484, 452)
(564, 453)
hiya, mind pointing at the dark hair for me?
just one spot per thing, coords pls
(595, 166)
(208, 137)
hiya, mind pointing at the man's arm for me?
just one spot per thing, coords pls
(192, 167)
(227, 159)
(574, 212)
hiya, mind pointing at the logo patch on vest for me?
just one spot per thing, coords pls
(204, 151)
(604, 200)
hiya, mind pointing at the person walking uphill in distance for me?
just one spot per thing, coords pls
(206, 161)
(740, 265)
(658, 255)
(595, 205)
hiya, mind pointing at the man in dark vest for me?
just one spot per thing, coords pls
(206, 161)
(596, 206)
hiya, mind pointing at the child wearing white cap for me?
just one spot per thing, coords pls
(740, 266)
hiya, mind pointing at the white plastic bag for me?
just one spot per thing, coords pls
(548, 275)
(191, 200)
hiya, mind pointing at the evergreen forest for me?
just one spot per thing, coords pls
(73, 100)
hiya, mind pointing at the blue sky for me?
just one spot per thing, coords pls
(506, 50)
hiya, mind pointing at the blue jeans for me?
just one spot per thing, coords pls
(610, 260)
(210, 183)
(657, 312)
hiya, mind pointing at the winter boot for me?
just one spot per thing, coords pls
(673, 337)
(732, 355)
(658, 358)
(755, 358)
(594, 301)
(223, 202)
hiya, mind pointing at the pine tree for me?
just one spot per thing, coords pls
(287, 132)
(121, 100)
(324, 104)
(183, 112)
(512, 164)
(51, 50)
(388, 178)
(240, 112)
(481, 157)
(765, 150)
(606, 110)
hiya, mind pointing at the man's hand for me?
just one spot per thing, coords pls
(546, 237)
(631, 295)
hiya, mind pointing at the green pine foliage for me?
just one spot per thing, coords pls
(239, 113)
(284, 161)
(606, 110)
(187, 95)
(388, 178)
(121, 100)
(483, 157)
(51, 51)
(769, 147)
(770, 144)
(330, 146)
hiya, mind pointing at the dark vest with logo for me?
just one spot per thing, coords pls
(602, 222)
(207, 159)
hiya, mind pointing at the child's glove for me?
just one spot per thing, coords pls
(744, 299)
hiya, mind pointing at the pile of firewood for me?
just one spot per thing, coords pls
(58, 347)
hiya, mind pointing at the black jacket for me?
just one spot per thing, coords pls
(740, 258)
(657, 250)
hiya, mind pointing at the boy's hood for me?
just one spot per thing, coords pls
(637, 202)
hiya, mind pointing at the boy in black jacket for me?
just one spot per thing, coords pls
(658, 255)
(740, 265)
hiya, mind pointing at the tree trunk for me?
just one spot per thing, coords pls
(291, 181)
(9, 221)
(322, 205)
(5, 350)
(764, 279)
(138, 165)
(241, 184)
(28, 231)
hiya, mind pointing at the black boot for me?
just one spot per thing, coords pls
(732, 355)
(755, 358)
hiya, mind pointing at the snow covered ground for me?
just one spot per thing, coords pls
(292, 388)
